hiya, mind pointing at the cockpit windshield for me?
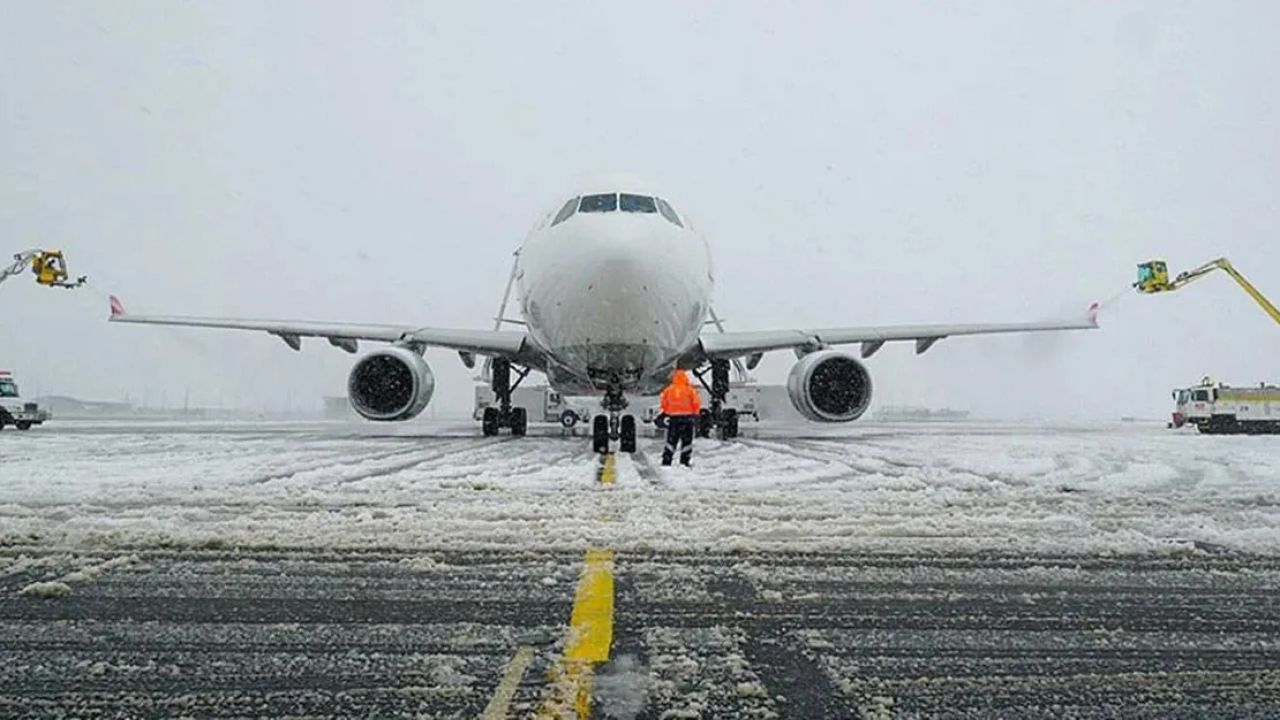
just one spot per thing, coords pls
(598, 203)
(669, 213)
(565, 212)
(637, 203)
(612, 202)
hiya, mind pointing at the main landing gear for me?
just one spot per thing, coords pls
(505, 416)
(614, 426)
(718, 418)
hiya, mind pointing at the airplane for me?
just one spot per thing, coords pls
(615, 290)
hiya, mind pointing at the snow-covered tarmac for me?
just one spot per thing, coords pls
(876, 571)
(1122, 488)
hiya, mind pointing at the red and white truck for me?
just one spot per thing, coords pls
(1222, 409)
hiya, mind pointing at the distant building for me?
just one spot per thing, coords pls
(62, 406)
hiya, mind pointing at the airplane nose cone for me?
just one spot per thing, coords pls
(618, 284)
(618, 256)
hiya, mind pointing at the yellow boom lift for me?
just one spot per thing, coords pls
(1153, 277)
(49, 267)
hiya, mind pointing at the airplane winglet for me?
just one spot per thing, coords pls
(1094, 308)
(117, 308)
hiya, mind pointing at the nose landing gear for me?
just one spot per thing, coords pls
(614, 426)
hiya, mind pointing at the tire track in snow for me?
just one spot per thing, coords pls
(825, 458)
(345, 461)
(509, 450)
(450, 450)
(645, 468)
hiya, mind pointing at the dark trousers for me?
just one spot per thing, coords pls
(680, 432)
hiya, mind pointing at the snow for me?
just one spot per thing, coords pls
(883, 488)
(47, 590)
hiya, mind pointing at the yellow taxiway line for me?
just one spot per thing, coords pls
(590, 629)
(608, 472)
(506, 690)
(588, 643)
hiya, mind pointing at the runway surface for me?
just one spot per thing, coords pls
(319, 570)
(373, 633)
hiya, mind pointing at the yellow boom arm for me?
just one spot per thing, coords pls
(1153, 277)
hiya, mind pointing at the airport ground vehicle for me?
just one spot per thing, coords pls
(1222, 409)
(49, 266)
(539, 403)
(15, 412)
(1153, 277)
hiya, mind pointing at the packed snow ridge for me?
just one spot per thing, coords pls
(963, 487)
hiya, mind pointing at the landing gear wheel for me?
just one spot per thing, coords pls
(729, 425)
(489, 424)
(24, 425)
(568, 419)
(519, 422)
(600, 434)
(705, 421)
(627, 441)
(719, 380)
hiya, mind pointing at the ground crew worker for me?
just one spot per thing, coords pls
(681, 405)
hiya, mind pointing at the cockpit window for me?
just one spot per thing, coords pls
(637, 203)
(669, 213)
(565, 212)
(598, 203)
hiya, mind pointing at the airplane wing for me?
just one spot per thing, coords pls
(741, 344)
(347, 335)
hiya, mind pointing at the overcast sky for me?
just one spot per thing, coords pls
(850, 163)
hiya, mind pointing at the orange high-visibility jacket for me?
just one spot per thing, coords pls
(680, 397)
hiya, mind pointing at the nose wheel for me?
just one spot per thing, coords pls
(614, 426)
(627, 434)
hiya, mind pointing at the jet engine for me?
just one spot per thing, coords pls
(830, 386)
(390, 384)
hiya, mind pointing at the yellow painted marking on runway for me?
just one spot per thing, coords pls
(506, 690)
(608, 470)
(590, 637)
(591, 623)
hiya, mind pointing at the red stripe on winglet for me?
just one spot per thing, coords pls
(116, 307)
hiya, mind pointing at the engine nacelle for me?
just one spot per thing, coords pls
(830, 386)
(393, 383)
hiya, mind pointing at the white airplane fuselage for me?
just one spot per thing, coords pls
(614, 299)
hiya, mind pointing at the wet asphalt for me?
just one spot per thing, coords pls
(160, 632)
